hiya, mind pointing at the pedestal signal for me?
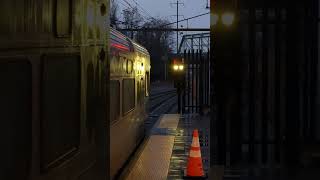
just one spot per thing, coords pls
(178, 75)
(177, 66)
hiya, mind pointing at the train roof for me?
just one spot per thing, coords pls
(140, 48)
(119, 40)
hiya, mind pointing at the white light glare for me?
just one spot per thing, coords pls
(175, 67)
(181, 67)
(227, 18)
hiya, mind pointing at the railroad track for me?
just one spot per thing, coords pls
(163, 102)
(160, 101)
(161, 94)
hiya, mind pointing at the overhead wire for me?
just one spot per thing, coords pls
(181, 20)
(126, 23)
(124, 5)
(129, 5)
(186, 19)
(143, 9)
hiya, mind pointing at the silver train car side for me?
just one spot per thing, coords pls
(129, 91)
(54, 89)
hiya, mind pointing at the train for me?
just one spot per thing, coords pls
(129, 92)
(63, 92)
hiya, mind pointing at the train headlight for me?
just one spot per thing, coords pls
(181, 67)
(175, 67)
(227, 18)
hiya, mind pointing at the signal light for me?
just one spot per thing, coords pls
(181, 67)
(175, 67)
(178, 67)
(178, 73)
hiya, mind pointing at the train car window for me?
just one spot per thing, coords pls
(139, 91)
(114, 64)
(142, 88)
(128, 102)
(63, 18)
(15, 110)
(147, 79)
(123, 62)
(114, 100)
(60, 126)
(129, 66)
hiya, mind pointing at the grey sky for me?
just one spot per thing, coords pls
(163, 8)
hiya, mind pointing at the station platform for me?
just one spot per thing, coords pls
(164, 153)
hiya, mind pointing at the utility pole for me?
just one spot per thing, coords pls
(177, 4)
(177, 25)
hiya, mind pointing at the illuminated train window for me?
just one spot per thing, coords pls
(128, 94)
(15, 110)
(129, 66)
(143, 88)
(147, 83)
(140, 89)
(115, 100)
(123, 62)
(60, 114)
(138, 92)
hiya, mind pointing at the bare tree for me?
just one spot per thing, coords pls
(132, 19)
(158, 43)
(114, 8)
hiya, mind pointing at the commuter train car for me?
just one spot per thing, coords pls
(54, 89)
(129, 91)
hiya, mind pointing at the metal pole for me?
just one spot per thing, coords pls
(179, 99)
(265, 69)
(252, 83)
(184, 82)
(165, 70)
(177, 25)
(277, 108)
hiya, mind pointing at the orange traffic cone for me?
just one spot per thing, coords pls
(194, 167)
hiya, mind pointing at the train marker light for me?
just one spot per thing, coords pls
(227, 18)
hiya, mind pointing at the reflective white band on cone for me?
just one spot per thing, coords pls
(195, 142)
(195, 153)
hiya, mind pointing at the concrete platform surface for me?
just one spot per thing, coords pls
(165, 154)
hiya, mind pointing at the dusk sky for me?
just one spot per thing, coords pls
(163, 8)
